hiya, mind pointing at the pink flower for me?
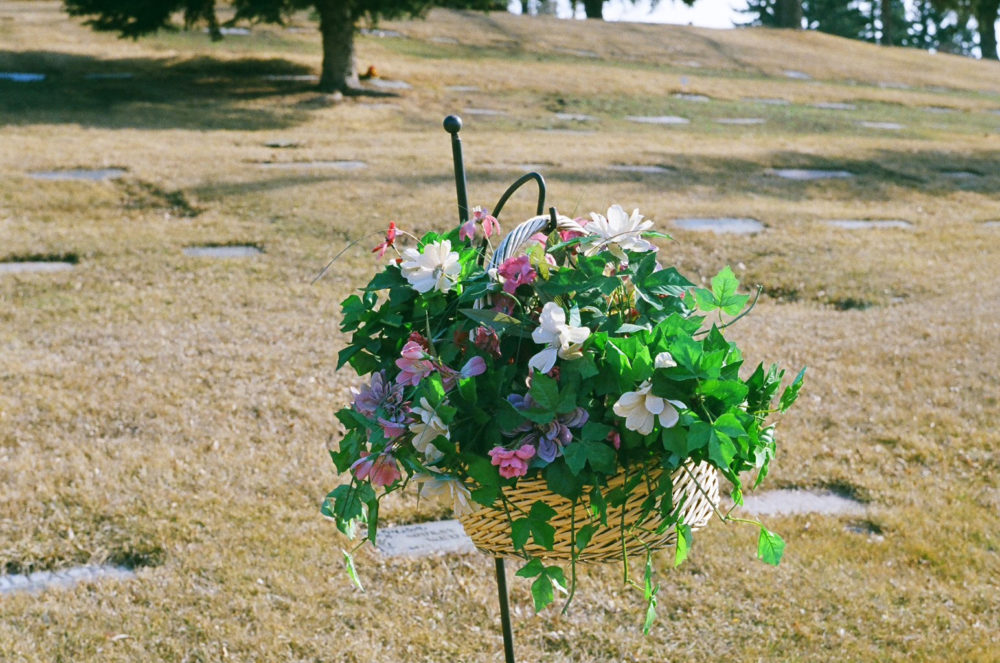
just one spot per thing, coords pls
(490, 224)
(473, 367)
(396, 425)
(486, 340)
(414, 364)
(467, 230)
(479, 217)
(516, 272)
(512, 462)
(380, 471)
(615, 439)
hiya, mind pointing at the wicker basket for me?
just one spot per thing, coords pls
(489, 527)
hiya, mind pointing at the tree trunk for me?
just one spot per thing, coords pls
(886, 15)
(336, 24)
(789, 13)
(594, 8)
(986, 17)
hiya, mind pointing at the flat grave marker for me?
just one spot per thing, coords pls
(233, 251)
(41, 580)
(868, 224)
(884, 126)
(803, 174)
(657, 119)
(835, 105)
(423, 539)
(720, 225)
(740, 121)
(686, 96)
(650, 169)
(311, 165)
(575, 117)
(78, 174)
(795, 501)
(797, 75)
(35, 266)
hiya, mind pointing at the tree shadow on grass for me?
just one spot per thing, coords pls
(203, 93)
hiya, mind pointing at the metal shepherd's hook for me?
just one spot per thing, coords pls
(453, 124)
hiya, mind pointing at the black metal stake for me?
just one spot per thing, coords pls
(453, 124)
(508, 637)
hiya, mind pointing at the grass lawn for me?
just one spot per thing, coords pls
(172, 413)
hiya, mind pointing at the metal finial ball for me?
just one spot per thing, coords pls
(453, 124)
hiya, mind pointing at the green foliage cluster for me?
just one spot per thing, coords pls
(619, 330)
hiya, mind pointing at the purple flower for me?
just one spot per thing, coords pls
(550, 438)
(380, 392)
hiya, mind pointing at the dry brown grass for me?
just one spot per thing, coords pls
(173, 413)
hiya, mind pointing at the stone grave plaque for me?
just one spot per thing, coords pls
(423, 539)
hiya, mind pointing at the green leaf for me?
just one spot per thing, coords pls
(483, 471)
(721, 449)
(485, 495)
(705, 300)
(598, 505)
(545, 392)
(495, 320)
(576, 457)
(561, 480)
(352, 572)
(520, 530)
(791, 392)
(601, 455)
(531, 569)
(467, 389)
(770, 547)
(583, 536)
(650, 616)
(683, 543)
(541, 592)
(542, 532)
(730, 392)
(724, 287)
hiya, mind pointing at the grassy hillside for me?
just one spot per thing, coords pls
(172, 413)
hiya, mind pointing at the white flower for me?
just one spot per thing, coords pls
(619, 231)
(426, 430)
(436, 486)
(664, 360)
(561, 339)
(640, 408)
(434, 269)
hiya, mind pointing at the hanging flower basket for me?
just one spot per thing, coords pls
(630, 529)
(572, 394)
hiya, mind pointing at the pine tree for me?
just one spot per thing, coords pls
(338, 22)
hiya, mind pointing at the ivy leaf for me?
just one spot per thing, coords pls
(770, 547)
(531, 569)
(791, 392)
(583, 536)
(724, 287)
(562, 481)
(352, 572)
(683, 543)
(545, 391)
(520, 530)
(541, 592)
(600, 455)
(542, 532)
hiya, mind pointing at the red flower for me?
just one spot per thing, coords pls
(390, 240)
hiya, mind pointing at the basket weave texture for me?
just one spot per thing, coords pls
(489, 527)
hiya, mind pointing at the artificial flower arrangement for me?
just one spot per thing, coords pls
(571, 359)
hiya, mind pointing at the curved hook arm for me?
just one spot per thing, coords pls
(517, 185)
